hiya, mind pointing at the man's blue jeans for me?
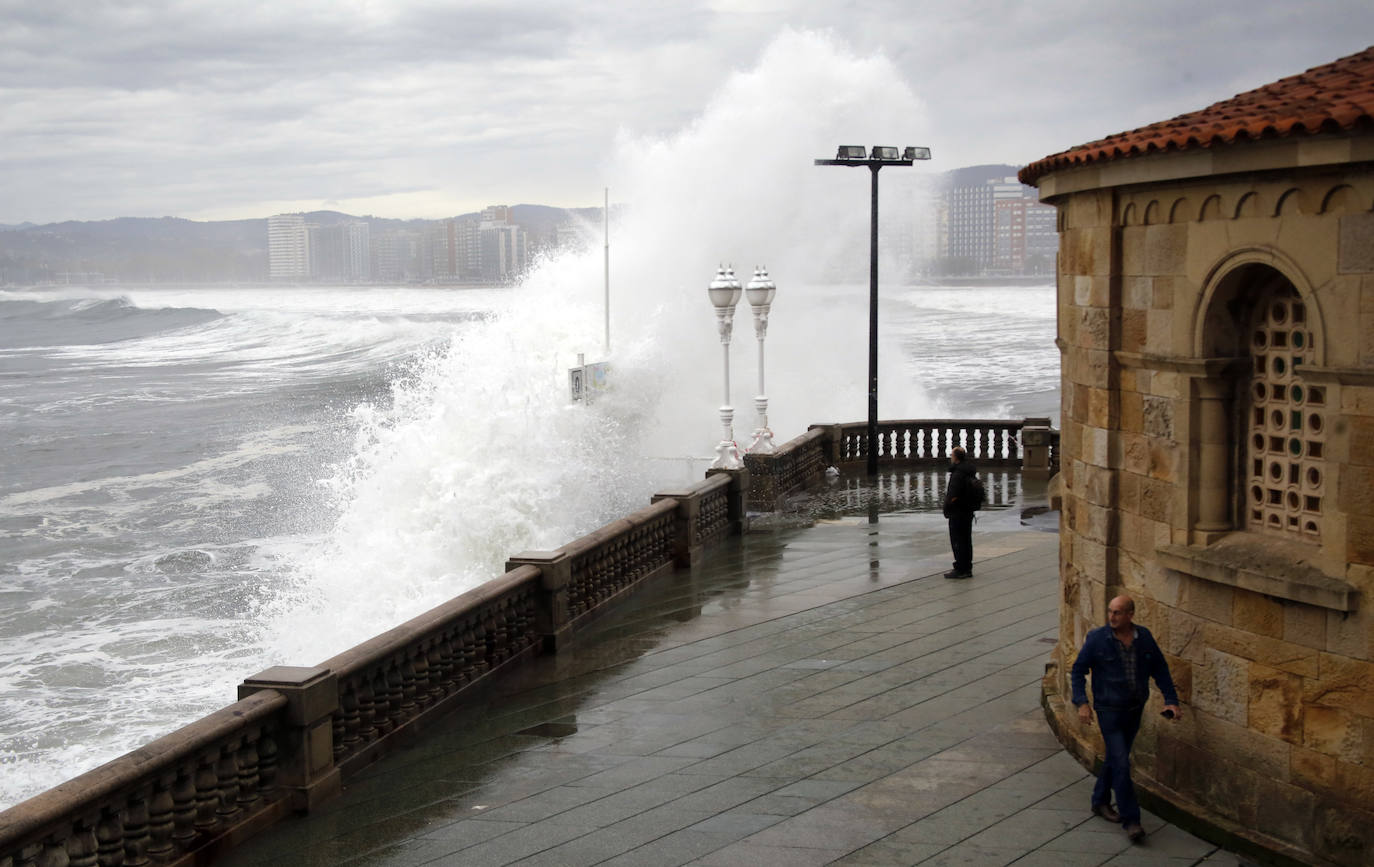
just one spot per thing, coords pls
(1118, 728)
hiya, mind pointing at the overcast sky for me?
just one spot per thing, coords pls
(426, 108)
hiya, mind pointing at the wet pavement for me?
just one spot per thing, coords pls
(812, 695)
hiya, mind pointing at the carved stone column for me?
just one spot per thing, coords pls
(1212, 469)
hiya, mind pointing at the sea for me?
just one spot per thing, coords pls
(200, 482)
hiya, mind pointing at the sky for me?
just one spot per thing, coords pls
(422, 108)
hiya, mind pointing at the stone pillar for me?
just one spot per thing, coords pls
(686, 551)
(1212, 469)
(738, 496)
(554, 620)
(1035, 448)
(306, 753)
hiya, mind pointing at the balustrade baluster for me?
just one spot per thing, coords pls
(346, 720)
(267, 763)
(136, 831)
(467, 648)
(437, 673)
(408, 686)
(160, 807)
(228, 773)
(109, 839)
(367, 710)
(53, 854)
(207, 793)
(395, 695)
(248, 769)
(82, 847)
(484, 642)
(381, 702)
(184, 807)
(420, 661)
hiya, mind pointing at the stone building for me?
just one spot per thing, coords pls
(1216, 322)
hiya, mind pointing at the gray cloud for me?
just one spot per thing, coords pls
(209, 109)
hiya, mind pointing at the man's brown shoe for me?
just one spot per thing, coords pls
(1135, 833)
(1107, 812)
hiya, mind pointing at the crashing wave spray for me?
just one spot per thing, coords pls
(480, 455)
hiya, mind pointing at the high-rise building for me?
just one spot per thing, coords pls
(358, 252)
(288, 247)
(989, 223)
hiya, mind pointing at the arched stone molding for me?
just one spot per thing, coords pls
(1178, 213)
(1130, 216)
(1341, 199)
(1247, 206)
(1290, 203)
(1152, 213)
(1221, 292)
(1211, 209)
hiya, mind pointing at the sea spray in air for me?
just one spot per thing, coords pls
(479, 455)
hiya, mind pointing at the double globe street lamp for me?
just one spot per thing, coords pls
(725, 291)
(880, 157)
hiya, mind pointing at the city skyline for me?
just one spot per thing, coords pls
(411, 109)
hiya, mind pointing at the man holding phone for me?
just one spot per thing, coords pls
(1121, 658)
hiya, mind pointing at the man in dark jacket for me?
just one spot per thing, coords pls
(1121, 657)
(959, 508)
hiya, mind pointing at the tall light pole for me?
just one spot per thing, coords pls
(855, 155)
(725, 291)
(760, 291)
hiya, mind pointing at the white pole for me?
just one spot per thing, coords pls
(606, 233)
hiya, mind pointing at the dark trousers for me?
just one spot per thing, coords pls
(961, 540)
(1119, 728)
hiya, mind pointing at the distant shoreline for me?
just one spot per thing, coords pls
(1028, 280)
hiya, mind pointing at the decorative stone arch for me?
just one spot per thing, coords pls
(1290, 203)
(1178, 212)
(1239, 400)
(1130, 215)
(1341, 199)
(1211, 209)
(1152, 211)
(1248, 205)
(1234, 279)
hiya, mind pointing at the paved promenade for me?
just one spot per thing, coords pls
(811, 696)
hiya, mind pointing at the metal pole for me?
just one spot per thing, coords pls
(873, 330)
(606, 233)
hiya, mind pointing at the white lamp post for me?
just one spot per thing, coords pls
(761, 290)
(725, 291)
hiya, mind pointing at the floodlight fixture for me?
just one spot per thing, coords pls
(852, 152)
(884, 153)
(913, 153)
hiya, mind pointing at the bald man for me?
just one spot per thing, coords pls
(1121, 657)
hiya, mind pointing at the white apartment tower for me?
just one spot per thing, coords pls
(288, 247)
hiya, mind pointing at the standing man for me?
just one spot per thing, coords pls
(960, 504)
(1121, 658)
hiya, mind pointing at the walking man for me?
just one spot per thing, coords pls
(961, 502)
(1121, 658)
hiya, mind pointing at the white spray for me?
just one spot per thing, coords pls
(481, 456)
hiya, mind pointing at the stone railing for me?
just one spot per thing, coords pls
(801, 462)
(296, 734)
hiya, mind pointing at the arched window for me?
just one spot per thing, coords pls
(1285, 461)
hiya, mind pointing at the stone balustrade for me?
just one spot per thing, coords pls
(801, 462)
(297, 733)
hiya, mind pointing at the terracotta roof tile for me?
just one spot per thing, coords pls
(1336, 96)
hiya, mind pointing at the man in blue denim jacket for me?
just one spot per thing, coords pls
(1121, 658)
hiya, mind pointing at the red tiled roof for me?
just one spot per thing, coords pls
(1336, 96)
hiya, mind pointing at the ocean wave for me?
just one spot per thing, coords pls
(34, 322)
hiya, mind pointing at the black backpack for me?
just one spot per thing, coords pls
(977, 494)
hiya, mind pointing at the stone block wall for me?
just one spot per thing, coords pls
(1268, 637)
